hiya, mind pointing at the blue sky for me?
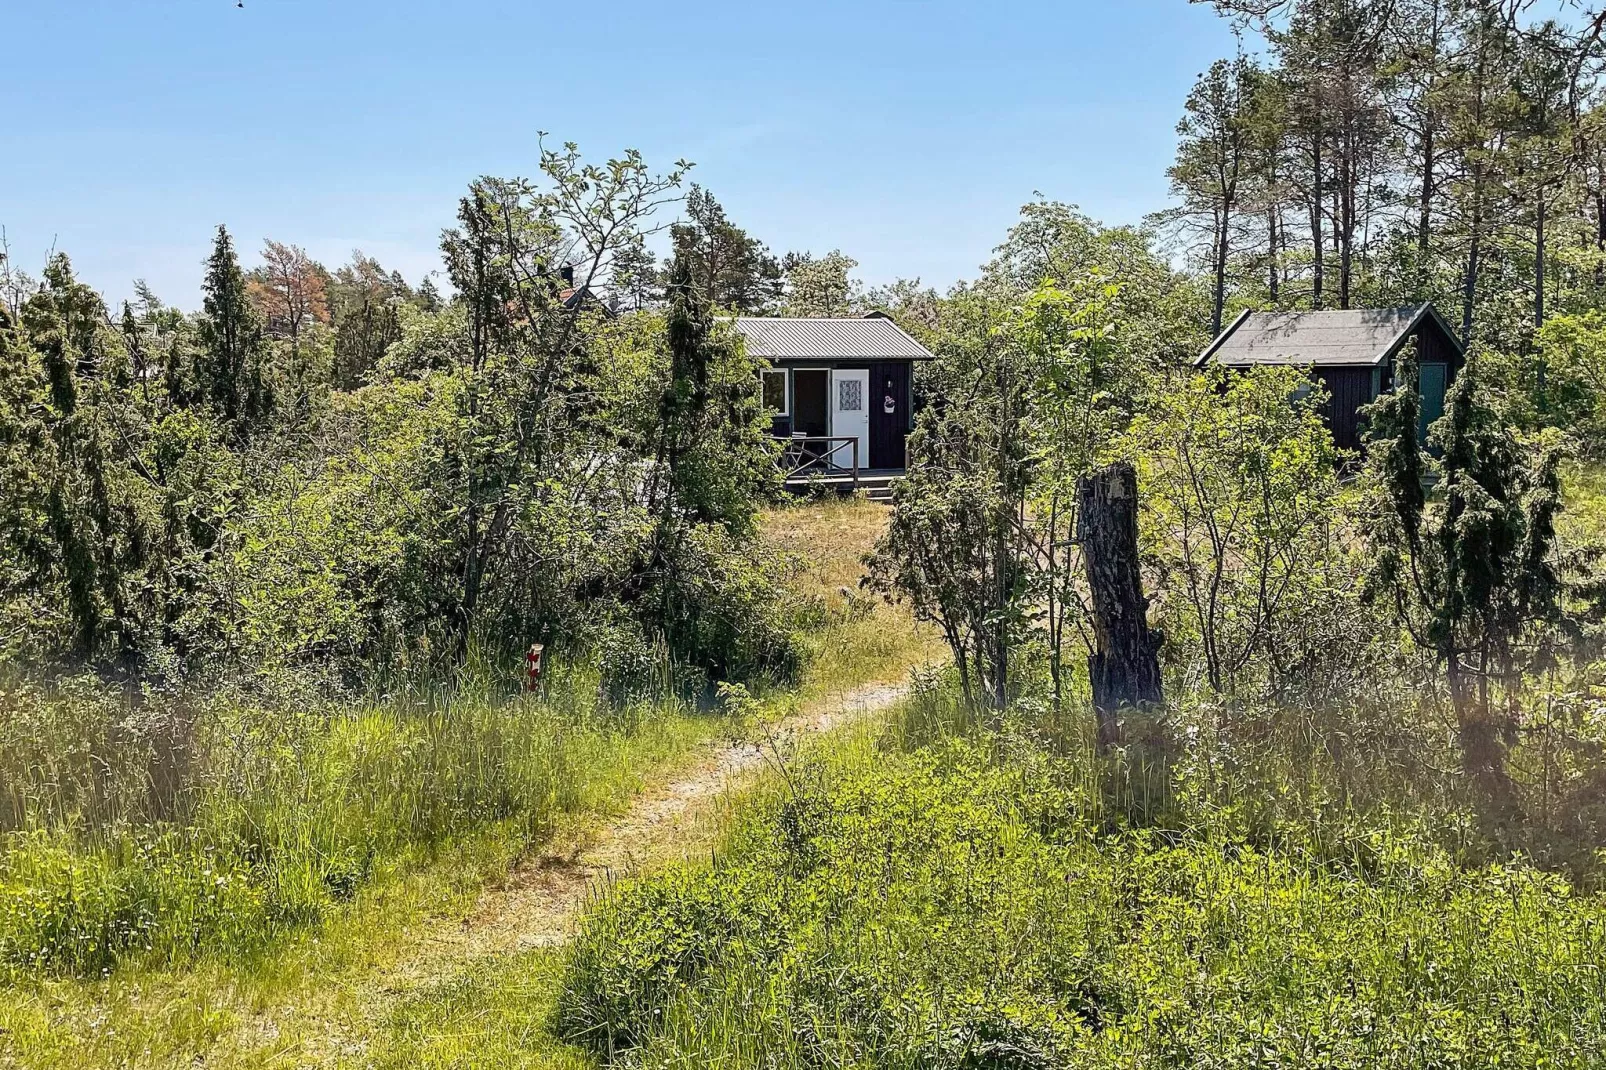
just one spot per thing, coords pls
(905, 134)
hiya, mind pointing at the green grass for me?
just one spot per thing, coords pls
(281, 817)
(352, 843)
(976, 903)
(497, 1013)
(290, 890)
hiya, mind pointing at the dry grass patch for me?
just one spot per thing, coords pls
(865, 640)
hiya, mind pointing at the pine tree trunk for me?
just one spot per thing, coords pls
(1218, 295)
(1539, 259)
(1316, 243)
(1600, 228)
(1344, 227)
(1424, 221)
(1273, 260)
(1125, 666)
(1469, 282)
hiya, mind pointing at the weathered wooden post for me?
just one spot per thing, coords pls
(1125, 666)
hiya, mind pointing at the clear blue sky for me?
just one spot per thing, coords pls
(906, 134)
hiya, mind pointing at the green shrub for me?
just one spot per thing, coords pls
(967, 906)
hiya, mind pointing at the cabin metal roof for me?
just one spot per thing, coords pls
(1363, 336)
(872, 337)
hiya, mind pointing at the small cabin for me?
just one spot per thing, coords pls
(839, 390)
(1351, 352)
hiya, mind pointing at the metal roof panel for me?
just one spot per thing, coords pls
(839, 338)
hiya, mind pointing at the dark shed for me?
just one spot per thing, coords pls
(839, 378)
(1352, 353)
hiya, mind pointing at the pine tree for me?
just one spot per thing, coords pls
(1212, 164)
(729, 267)
(1472, 572)
(230, 368)
(712, 438)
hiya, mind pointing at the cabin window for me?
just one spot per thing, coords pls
(775, 393)
(850, 395)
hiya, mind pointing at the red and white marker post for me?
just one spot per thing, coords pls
(532, 666)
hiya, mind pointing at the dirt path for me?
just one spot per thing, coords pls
(538, 905)
(542, 898)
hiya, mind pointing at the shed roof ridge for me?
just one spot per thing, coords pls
(1351, 336)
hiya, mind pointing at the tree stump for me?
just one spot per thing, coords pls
(1125, 666)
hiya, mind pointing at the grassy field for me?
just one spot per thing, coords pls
(972, 903)
(927, 891)
(1319, 890)
(298, 914)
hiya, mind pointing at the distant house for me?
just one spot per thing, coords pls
(833, 383)
(1352, 353)
(579, 297)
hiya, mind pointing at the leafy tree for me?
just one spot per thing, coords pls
(1024, 399)
(636, 281)
(1243, 520)
(363, 300)
(1213, 161)
(821, 286)
(519, 469)
(1572, 350)
(1091, 373)
(956, 547)
(427, 298)
(1055, 242)
(289, 290)
(917, 308)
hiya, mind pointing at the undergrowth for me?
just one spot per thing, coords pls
(978, 903)
(260, 821)
(348, 838)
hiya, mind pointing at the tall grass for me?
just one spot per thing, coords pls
(153, 829)
(158, 832)
(854, 637)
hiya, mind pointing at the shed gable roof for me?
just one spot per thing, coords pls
(1351, 337)
(840, 338)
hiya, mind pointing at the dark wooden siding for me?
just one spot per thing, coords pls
(888, 431)
(889, 379)
(1348, 389)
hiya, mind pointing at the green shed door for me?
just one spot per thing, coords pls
(1432, 397)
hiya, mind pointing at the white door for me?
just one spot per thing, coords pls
(850, 414)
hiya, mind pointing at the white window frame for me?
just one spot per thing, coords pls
(786, 389)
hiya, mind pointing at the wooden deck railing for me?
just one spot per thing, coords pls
(819, 455)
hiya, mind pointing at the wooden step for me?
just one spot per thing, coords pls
(876, 485)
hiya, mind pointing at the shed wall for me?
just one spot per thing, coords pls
(1348, 389)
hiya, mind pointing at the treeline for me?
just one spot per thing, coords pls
(337, 474)
(1387, 153)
